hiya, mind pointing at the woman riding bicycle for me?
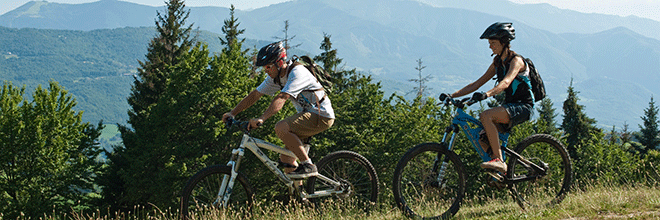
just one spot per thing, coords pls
(289, 81)
(509, 68)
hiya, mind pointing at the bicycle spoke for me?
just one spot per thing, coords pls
(417, 187)
(544, 188)
(201, 193)
(355, 174)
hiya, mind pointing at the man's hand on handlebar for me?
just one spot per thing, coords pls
(226, 116)
(255, 123)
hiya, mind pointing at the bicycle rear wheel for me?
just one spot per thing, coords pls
(356, 174)
(429, 182)
(542, 190)
(200, 195)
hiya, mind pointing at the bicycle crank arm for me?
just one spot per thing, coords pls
(322, 193)
(524, 161)
(328, 180)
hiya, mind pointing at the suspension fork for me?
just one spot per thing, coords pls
(224, 193)
(445, 161)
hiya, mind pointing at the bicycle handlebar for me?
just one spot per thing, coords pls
(459, 103)
(242, 125)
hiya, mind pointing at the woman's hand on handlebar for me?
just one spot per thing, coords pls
(478, 96)
(444, 96)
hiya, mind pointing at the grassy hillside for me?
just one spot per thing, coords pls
(592, 202)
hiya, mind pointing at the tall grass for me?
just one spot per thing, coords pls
(588, 202)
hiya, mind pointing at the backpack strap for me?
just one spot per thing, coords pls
(318, 101)
(526, 79)
(521, 79)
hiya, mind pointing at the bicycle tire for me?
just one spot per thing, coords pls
(201, 191)
(549, 189)
(417, 191)
(349, 168)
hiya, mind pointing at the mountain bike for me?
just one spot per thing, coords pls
(343, 175)
(430, 179)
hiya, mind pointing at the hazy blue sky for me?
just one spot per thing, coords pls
(641, 8)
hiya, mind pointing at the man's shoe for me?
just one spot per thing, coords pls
(495, 164)
(303, 171)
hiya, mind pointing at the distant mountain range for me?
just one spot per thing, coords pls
(612, 61)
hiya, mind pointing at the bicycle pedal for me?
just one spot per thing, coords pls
(301, 178)
(488, 170)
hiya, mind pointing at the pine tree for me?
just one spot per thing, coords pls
(613, 136)
(231, 31)
(547, 115)
(648, 135)
(329, 56)
(625, 133)
(330, 61)
(421, 89)
(173, 39)
(136, 168)
(577, 127)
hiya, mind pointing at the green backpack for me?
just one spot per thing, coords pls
(319, 73)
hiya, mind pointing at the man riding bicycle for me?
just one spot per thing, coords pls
(314, 110)
(509, 67)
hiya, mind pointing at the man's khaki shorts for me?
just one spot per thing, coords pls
(307, 124)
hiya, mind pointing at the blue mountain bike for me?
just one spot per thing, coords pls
(429, 180)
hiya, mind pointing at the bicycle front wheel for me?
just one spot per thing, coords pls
(355, 173)
(540, 189)
(429, 182)
(201, 195)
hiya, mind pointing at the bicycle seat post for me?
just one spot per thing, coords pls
(307, 147)
(306, 144)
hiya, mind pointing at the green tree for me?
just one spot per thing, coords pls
(47, 154)
(625, 133)
(231, 30)
(329, 56)
(599, 161)
(578, 128)
(173, 40)
(331, 62)
(182, 132)
(648, 133)
(135, 169)
(547, 115)
(613, 136)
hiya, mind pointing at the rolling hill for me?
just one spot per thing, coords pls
(608, 59)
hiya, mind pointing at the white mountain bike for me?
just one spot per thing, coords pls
(343, 175)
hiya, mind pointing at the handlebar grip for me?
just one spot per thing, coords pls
(230, 121)
(470, 102)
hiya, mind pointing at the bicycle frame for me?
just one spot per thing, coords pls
(253, 144)
(471, 127)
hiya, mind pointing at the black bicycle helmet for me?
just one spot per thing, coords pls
(501, 31)
(271, 53)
